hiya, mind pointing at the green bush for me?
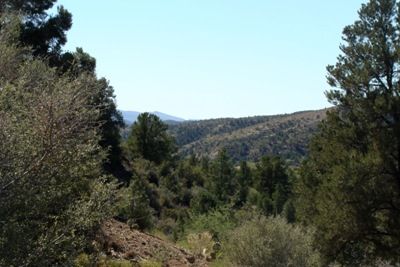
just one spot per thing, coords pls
(52, 191)
(148, 263)
(133, 206)
(83, 260)
(271, 242)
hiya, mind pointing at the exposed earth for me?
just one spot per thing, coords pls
(119, 241)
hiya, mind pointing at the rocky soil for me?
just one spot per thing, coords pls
(119, 241)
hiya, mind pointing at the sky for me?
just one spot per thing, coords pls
(199, 59)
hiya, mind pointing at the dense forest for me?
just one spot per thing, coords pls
(67, 176)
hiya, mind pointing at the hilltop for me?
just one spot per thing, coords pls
(250, 138)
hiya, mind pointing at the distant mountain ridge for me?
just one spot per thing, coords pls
(131, 116)
(287, 135)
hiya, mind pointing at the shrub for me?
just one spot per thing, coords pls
(148, 263)
(218, 223)
(83, 260)
(201, 244)
(271, 242)
(52, 193)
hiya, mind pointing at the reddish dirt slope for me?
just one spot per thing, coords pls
(121, 242)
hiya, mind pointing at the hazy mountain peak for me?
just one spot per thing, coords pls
(131, 116)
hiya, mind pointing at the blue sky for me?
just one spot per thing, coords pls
(200, 59)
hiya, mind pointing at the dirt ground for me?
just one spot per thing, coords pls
(119, 241)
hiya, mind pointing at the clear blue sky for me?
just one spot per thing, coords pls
(201, 59)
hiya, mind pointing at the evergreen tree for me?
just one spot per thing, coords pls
(271, 171)
(279, 198)
(350, 184)
(140, 214)
(45, 34)
(244, 180)
(149, 139)
(221, 180)
(111, 121)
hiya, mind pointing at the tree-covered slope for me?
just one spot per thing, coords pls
(249, 138)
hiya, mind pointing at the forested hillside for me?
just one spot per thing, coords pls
(74, 193)
(249, 138)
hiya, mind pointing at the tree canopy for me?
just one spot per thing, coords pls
(350, 184)
(45, 34)
(149, 139)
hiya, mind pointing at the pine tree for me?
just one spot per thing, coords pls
(221, 180)
(45, 34)
(350, 184)
(244, 179)
(149, 139)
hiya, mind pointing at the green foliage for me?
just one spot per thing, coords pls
(259, 200)
(105, 262)
(217, 222)
(202, 201)
(51, 194)
(135, 201)
(110, 120)
(83, 260)
(244, 179)
(289, 211)
(270, 242)
(149, 139)
(45, 34)
(270, 173)
(138, 213)
(350, 184)
(272, 184)
(221, 180)
(148, 263)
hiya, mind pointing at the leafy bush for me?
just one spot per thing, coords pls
(52, 192)
(271, 242)
(134, 207)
